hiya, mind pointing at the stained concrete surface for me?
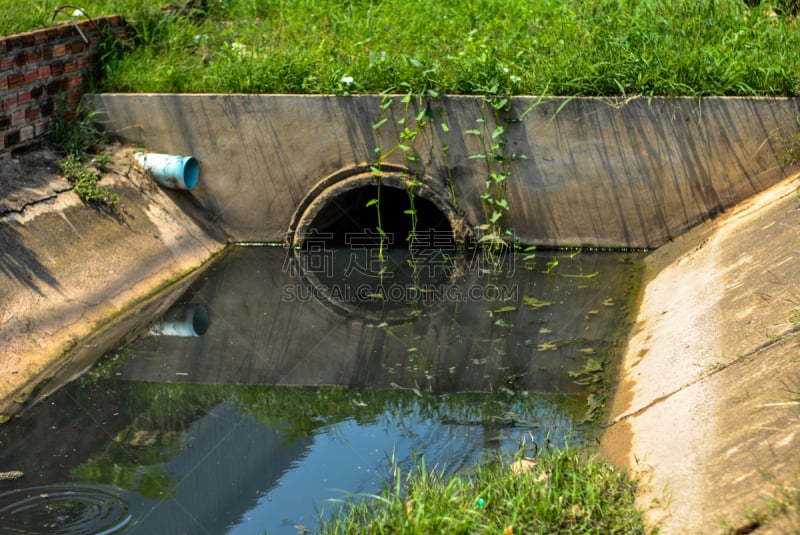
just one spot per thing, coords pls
(68, 270)
(708, 408)
(587, 172)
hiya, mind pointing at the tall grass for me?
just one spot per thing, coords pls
(559, 491)
(572, 47)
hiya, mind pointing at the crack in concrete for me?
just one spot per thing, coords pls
(4, 213)
(742, 358)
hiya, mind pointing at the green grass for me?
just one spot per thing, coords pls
(602, 47)
(560, 491)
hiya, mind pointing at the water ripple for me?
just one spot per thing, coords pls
(63, 509)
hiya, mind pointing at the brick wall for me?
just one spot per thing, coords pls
(41, 71)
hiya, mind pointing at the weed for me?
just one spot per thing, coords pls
(84, 178)
(78, 131)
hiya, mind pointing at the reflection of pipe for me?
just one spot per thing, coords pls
(171, 171)
(182, 320)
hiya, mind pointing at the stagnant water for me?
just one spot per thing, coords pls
(282, 382)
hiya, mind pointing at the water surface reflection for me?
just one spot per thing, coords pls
(277, 384)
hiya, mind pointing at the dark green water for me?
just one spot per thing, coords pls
(311, 377)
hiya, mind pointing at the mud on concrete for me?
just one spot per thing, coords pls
(69, 271)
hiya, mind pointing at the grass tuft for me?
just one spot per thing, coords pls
(559, 491)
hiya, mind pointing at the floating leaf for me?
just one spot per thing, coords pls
(545, 330)
(587, 350)
(535, 303)
(608, 302)
(504, 309)
(4, 418)
(545, 346)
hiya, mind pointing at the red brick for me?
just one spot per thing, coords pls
(74, 81)
(57, 68)
(39, 128)
(17, 118)
(59, 50)
(73, 99)
(15, 80)
(46, 53)
(83, 62)
(40, 36)
(71, 66)
(24, 98)
(13, 42)
(8, 102)
(28, 39)
(11, 139)
(32, 114)
(26, 133)
(44, 71)
(6, 63)
(52, 33)
(31, 76)
(3, 84)
(47, 107)
(78, 47)
(56, 86)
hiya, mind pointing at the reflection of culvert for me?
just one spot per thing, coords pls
(404, 285)
(336, 211)
(335, 244)
(184, 320)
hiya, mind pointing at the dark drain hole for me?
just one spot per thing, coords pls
(347, 221)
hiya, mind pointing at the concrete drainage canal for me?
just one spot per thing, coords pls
(285, 377)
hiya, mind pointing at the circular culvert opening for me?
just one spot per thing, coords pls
(337, 245)
(347, 210)
(350, 217)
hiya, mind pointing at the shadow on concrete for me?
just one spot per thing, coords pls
(18, 262)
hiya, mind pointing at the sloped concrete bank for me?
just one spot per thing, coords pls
(74, 279)
(708, 407)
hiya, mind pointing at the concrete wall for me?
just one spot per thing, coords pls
(597, 172)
